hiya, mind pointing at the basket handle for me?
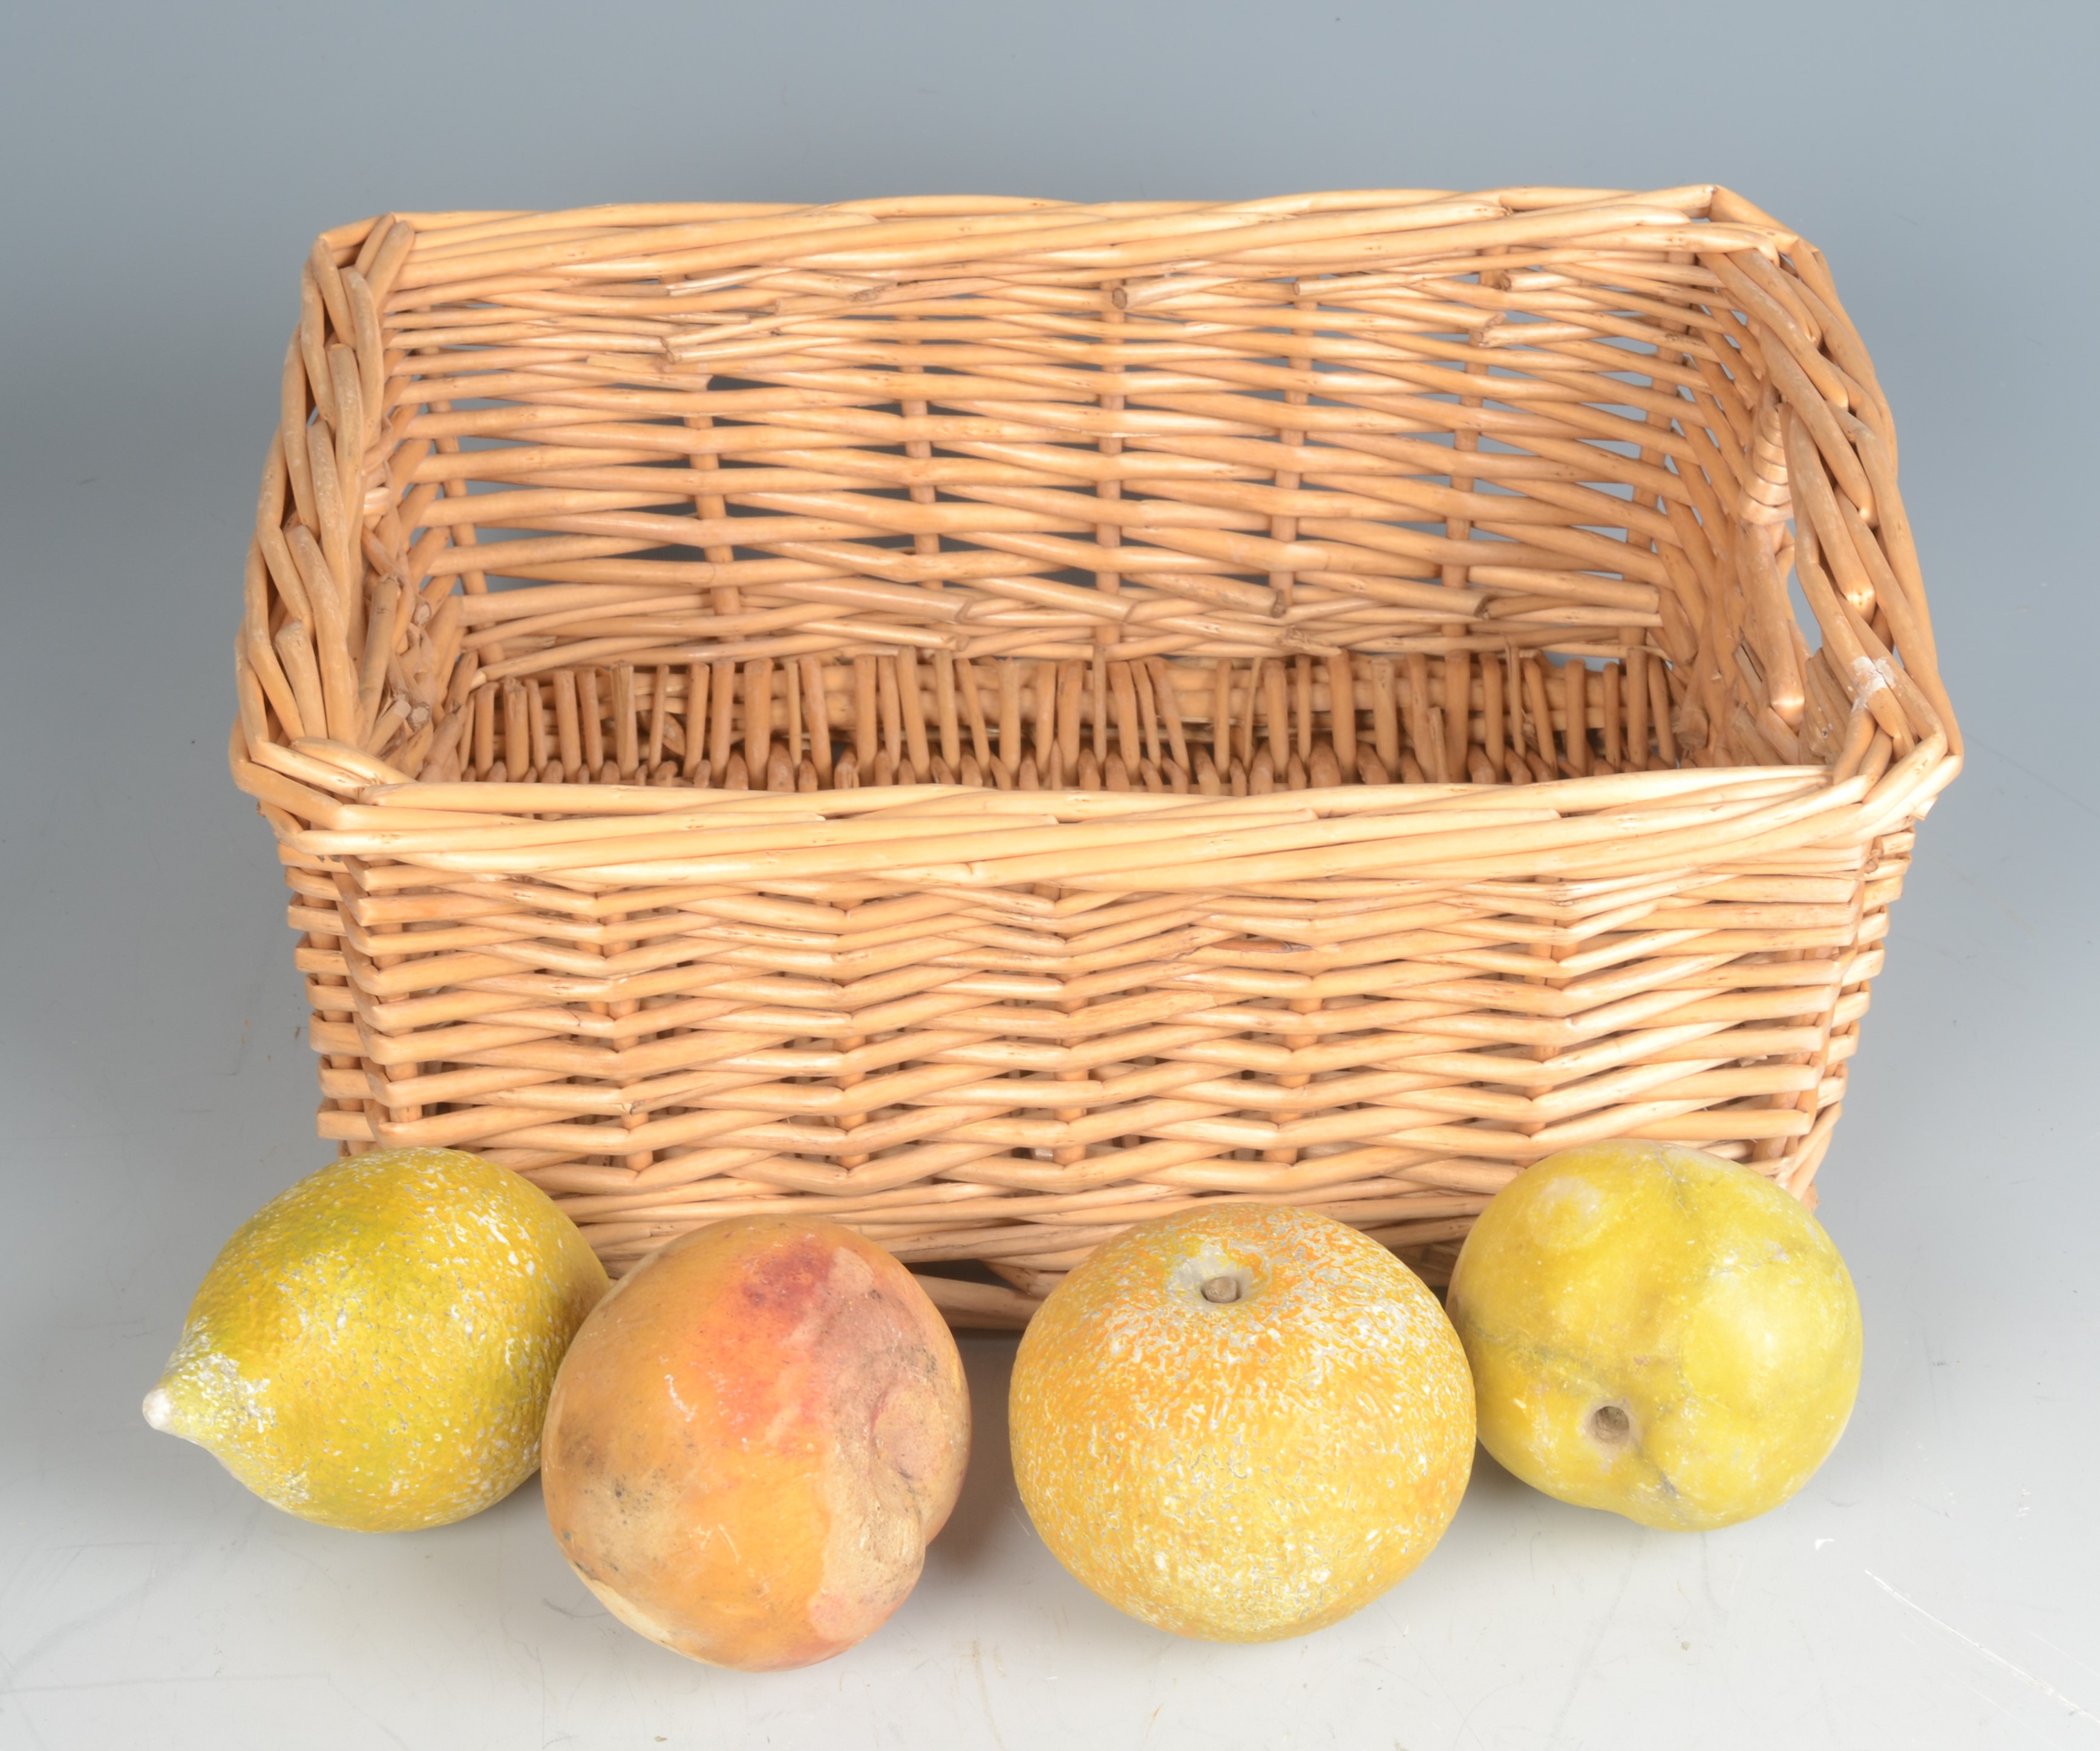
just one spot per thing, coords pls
(1854, 552)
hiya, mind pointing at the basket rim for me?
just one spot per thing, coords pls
(931, 836)
(1518, 209)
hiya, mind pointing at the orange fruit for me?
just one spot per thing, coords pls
(1240, 1422)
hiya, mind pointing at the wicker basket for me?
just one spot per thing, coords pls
(993, 719)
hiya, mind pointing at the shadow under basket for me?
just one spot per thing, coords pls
(991, 720)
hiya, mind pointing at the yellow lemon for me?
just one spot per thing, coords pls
(1656, 1331)
(1240, 1422)
(374, 1348)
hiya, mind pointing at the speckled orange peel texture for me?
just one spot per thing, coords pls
(1658, 1332)
(752, 1440)
(374, 1348)
(1247, 1468)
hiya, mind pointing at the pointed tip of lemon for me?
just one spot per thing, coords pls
(160, 1410)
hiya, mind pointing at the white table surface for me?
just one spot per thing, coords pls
(1934, 1585)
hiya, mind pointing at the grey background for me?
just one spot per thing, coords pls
(161, 172)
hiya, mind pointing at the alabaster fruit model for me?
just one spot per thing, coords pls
(1656, 1331)
(753, 1439)
(1240, 1422)
(374, 1348)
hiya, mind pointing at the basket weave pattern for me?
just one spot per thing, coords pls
(993, 720)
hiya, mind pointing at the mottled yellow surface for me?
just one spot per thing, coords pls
(1656, 1331)
(374, 1348)
(1245, 1469)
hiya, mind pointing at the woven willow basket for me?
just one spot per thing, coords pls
(990, 720)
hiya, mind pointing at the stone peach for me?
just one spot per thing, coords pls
(752, 1440)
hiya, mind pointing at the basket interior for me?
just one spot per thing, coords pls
(884, 516)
